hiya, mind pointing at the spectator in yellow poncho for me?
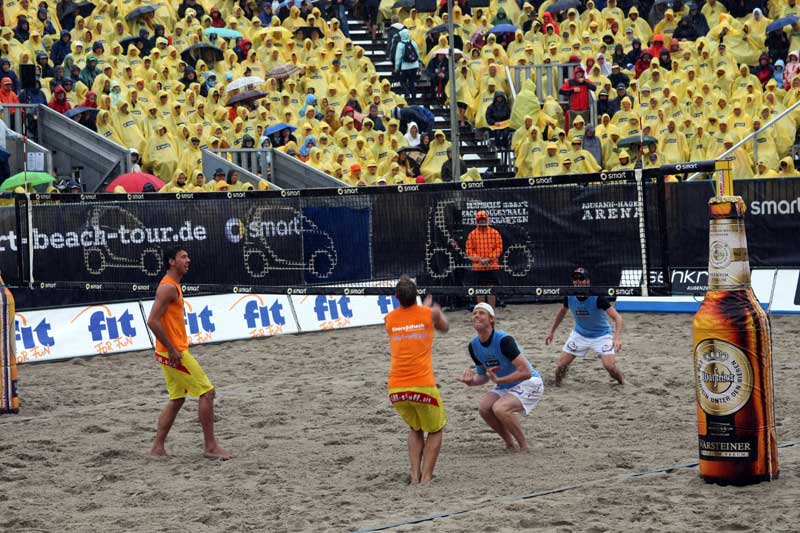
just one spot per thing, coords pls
(431, 167)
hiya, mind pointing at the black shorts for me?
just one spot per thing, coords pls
(484, 278)
(371, 13)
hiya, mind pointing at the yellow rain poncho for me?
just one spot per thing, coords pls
(767, 149)
(161, 155)
(105, 128)
(431, 167)
(786, 168)
(130, 133)
(550, 163)
(672, 145)
(530, 154)
(178, 183)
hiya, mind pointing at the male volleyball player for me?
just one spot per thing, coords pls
(592, 330)
(518, 386)
(412, 386)
(183, 374)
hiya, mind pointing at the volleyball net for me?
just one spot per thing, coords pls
(354, 240)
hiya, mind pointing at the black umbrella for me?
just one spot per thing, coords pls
(441, 28)
(127, 41)
(637, 139)
(80, 110)
(563, 5)
(404, 4)
(141, 11)
(204, 51)
(83, 9)
(305, 32)
(245, 97)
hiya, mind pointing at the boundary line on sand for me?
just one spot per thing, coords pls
(544, 493)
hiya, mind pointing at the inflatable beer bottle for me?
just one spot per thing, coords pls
(733, 357)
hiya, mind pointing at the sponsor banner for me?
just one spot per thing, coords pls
(782, 285)
(316, 313)
(88, 330)
(227, 317)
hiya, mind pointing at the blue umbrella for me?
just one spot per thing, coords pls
(776, 25)
(275, 128)
(225, 33)
(503, 28)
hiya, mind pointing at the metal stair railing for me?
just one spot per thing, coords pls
(213, 160)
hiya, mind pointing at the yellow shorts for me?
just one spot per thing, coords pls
(420, 407)
(188, 379)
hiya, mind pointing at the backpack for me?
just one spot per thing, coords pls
(410, 54)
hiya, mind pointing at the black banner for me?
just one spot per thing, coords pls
(359, 240)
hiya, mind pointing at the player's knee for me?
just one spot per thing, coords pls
(485, 410)
(209, 395)
(609, 363)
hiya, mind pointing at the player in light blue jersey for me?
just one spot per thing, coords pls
(592, 330)
(518, 386)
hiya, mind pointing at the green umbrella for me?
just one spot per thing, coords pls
(31, 178)
(636, 139)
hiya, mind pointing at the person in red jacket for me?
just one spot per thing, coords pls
(59, 102)
(577, 90)
(8, 96)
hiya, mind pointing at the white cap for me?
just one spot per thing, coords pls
(486, 307)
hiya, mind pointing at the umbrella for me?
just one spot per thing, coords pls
(81, 109)
(141, 11)
(282, 71)
(503, 28)
(446, 51)
(247, 96)
(414, 152)
(225, 33)
(202, 51)
(30, 178)
(241, 83)
(404, 4)
(636, 139)
(125, 42)
(305, 32)
(563, 5)
(441, 28)
(277, 32)
(778, 24)
(275, 128)
(83, 9)
(134, 182)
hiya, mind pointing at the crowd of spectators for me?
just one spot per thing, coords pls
(695, 78)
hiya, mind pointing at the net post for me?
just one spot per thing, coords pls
(662, 215)
(20, 258)
(638, 174)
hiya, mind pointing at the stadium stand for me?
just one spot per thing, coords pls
(667, 82)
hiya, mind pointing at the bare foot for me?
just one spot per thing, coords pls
(426, 480)
(216, 452)
(158, 451)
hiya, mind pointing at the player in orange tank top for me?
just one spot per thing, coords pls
(412, 386)
(182, 373)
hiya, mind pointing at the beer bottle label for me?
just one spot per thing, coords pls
(728, 262)
(724, 385)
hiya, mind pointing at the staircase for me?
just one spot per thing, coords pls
(475, 151)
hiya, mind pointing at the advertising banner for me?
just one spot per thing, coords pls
(315, 313)
(89, 330)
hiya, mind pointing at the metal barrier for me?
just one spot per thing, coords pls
(213, 160)
(255, 160)
(549, 77)
(291, 173)
(751, 137)
(71, 146)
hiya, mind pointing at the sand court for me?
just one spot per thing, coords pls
(318, 447)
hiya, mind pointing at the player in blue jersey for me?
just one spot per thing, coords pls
(518, 386)
(592, 330)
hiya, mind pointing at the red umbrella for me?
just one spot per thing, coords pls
(134, 182)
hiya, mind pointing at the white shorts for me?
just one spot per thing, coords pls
(528, 392)
(579, 346)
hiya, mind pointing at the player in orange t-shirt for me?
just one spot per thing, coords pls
(183, 374)
(484, 247)
(412, 386)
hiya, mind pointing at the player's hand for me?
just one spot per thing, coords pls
(467, 376)
(428, 301)
(548, 340)
(174, 358)
(490, 372)
(617, 346)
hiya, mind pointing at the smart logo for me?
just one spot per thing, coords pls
(387, 303)
(330, 308)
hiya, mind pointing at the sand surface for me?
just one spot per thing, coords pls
(319, 448)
